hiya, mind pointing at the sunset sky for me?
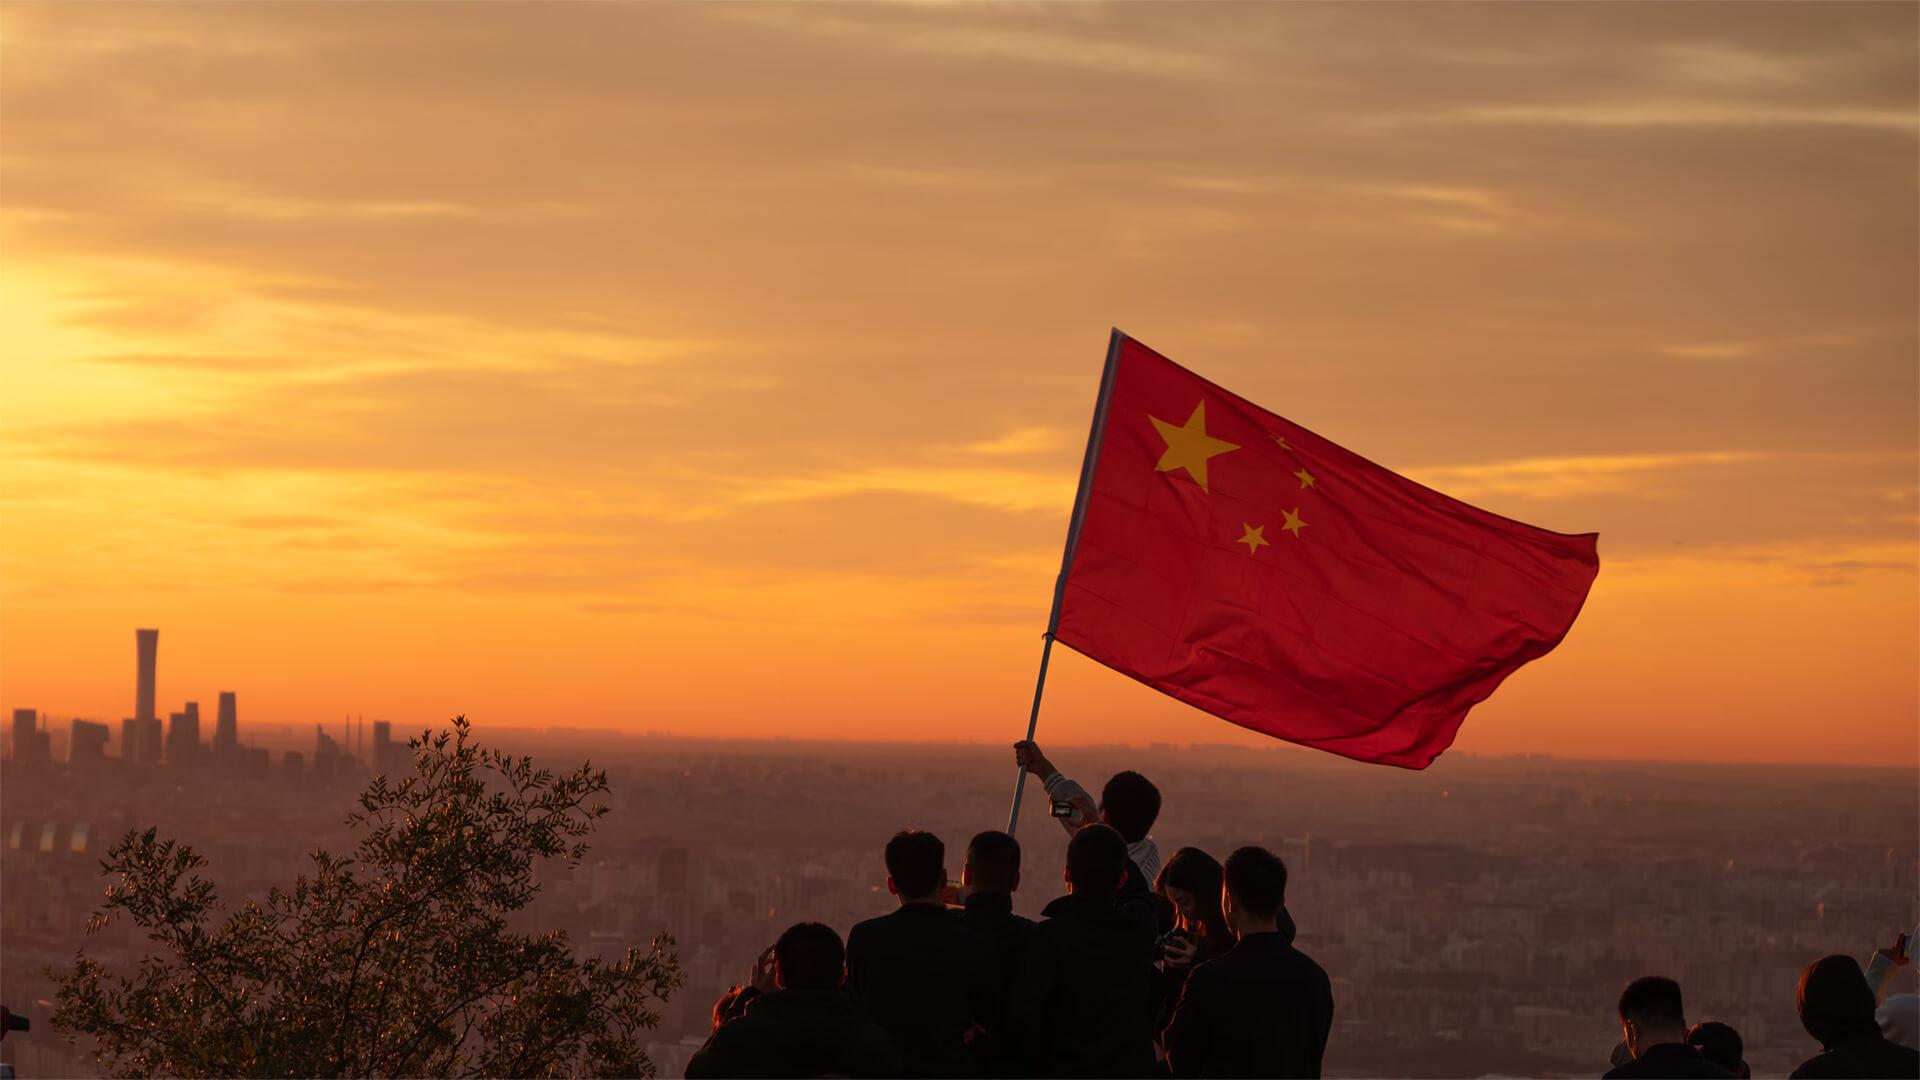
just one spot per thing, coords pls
(726, 368)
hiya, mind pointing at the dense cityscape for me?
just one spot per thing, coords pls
(1478, 918)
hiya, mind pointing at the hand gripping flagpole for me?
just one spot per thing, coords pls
(1087, 466)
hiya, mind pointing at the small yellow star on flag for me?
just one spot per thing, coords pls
(1282, 442)
(1189, 446)
(1305, 477)
(1293, 524)
(1254, 538)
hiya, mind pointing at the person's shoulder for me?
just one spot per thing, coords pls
(1308, 966)
(879, 924)
(1225, 968)
(961, 929)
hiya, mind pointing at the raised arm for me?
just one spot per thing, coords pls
(1028, 756)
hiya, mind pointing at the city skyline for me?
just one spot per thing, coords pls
(1477, 917)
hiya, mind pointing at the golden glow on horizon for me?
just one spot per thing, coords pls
(636, 366)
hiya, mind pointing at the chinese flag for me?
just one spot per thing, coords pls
(1241, 563)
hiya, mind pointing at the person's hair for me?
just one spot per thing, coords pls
(809, 956)
(727, 1007)
(1130, 804)
(1258, 881)
(994, 858)
(1199, 873)
(1834, 998)
(1719, 1044)
(1097, 860)
(915, 861)
(1654, 998)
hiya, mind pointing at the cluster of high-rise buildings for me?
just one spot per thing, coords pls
(144, 742)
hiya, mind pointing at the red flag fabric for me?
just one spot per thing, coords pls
(1241, 563)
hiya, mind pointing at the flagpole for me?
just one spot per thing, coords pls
(1087, 466)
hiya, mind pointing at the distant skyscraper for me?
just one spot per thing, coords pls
(326, 750)
(147, 643)
(87, 745)
(129, 739)
(30, 744)
(383, 755)
(183, 736)
(226, 729)
(148, 738)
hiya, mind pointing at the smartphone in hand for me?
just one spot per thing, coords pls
(950, 895)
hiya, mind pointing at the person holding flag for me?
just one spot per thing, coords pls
(1129, 802)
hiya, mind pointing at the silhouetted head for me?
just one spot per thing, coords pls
(1130, 803)
(1254, 889)
(1190, 881)
(1835, 1001)
(916, 866)
(809, 956)
(1651, 1013)
(1096, 861)
(993, 863)
(1721, 1045)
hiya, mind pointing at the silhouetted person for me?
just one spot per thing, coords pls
(1129, 802)
(1836, 1007)
(1720, 1044)
(1082, 1000)
(926, 978)
(987, 882)
(1189, 887)
(1655, 1024)
(806, 1026)
(1264, 1008)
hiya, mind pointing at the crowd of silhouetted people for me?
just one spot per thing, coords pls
(1144, 970)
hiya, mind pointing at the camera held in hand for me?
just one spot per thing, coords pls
(1160, 943)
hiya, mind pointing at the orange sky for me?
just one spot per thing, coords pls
(725, 368)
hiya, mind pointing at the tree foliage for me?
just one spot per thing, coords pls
(398, 961)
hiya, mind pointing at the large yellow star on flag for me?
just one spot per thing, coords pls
(1189, 446)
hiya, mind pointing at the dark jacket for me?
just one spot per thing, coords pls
(1263, 1009)
(927, 979)
(795, 1033)
(991, 916)
(1836, 1007)
(1668, 1061)
(1082, 997)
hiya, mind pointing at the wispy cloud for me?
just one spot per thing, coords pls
(987, 33)
(1667, 114)
(1024, 441)
(1558, 478)
(1002, 489)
